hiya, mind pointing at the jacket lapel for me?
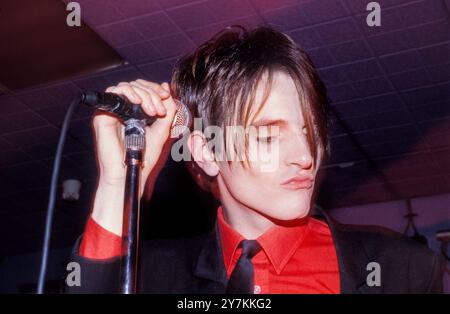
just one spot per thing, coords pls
(353, 257)
(209, 264)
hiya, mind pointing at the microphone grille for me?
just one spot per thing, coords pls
(182, 120)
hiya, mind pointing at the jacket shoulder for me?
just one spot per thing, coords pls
(401, 256)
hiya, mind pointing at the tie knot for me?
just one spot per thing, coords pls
(249, 248)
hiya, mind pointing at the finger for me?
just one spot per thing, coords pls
(148, 102)
(154, 86)
(166, 87)
(125, 89)
(162, 126)
(154, 98)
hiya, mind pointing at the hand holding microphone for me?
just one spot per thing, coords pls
(156, 101)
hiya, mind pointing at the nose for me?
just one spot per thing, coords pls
(299, 153)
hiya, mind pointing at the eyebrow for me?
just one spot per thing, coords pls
(269, 122)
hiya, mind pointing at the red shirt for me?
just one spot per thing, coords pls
(297, 259)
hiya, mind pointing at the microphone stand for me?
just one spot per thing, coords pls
(135, 145)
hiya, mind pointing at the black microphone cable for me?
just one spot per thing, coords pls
(53, 190)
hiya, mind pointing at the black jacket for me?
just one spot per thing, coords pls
(196, 265)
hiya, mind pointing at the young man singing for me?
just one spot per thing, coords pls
(264, 240)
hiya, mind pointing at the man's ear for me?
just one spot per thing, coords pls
(203, 156)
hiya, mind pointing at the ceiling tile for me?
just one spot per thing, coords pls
(10, 156)
(175, 3)
(101, 82)
(173, 45)
(21, 121)
(416, 187)
(431, 111)
(155, 25)
(392, 42)
(120, 34)
(132, 8)
(56, 114)
(100, 12)
(52, 95)
(139, 53)
(158, 71)
(428, 94)
(436, 54)
(372, 87)
(410, 79)
(362, 70)
(439, 73)
(32, 136)
(200, 35)
(441, 125)
(361, 6)
(192, 16)
(401, 133)
(270, 5)
(369, 106)
(404, 61)
(431, 33)
(380, 120)
(339, 31)
(321, 57)
(342, 92)
(321, 11)
(224, 10)
(306, 38)
(286, 18)
(390, 21)
(389, 148)
(350, 51)
(10, 104)
(422, 12)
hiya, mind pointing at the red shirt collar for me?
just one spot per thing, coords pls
(279, 243)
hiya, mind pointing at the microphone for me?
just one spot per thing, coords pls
(124, 109)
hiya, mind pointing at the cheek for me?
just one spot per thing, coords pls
(258, 189)
(262, 191)
(248, 185)
(265, 160)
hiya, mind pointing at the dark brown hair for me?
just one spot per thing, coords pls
(218, 81)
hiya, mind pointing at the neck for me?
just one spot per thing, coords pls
(246, 221)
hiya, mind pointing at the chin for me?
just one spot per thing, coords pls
(289, 211)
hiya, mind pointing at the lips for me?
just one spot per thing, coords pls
(299, 182)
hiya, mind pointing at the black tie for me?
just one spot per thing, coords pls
(242, 278)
